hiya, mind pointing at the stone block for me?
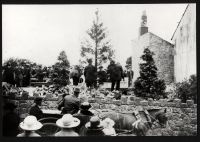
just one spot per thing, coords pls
(117, 102)
(150, 101)
(91, 100)
(124, 99)
(144, 103)
(95, 105)
(184, 105)
(190, 103)
(132, 98)
(193, 121)
(156, 103)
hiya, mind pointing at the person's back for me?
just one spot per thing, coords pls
(36, 111)
(90, 73)
(63, 133)
(71, 104)
(29, 134)
(10, 124)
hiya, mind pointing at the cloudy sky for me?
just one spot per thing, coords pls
(40, 32)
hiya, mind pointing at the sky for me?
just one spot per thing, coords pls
(40, 32)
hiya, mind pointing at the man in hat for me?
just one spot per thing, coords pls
(116, 74)
(35, 110)
(94, 127)
(84, 116)
(102, 75)
(10, 120)
(90, 74)
(72, 102)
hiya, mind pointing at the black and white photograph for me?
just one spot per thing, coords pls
(73, 70)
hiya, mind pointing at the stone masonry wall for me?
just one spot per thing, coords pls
(182, 117)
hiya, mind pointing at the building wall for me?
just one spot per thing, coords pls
(185, 45)
(163, 57)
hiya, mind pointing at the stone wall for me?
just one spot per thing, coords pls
(182, 117)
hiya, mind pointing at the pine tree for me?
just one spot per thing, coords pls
(147, 84)
(97, 46)
(60, 73)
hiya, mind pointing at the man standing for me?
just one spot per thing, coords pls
(130, 75)
(116, 74)
(90, 74)
(71, 102)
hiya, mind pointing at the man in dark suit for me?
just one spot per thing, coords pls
(116, 74)
(35, 110)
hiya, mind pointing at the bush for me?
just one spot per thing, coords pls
(187, 89)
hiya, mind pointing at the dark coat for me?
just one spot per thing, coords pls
(102, 76)
(84, 117)
(71, 104)
(90, 73)
(8, 76)
(116, 72)
(94, 132)
(10, 124)
(37, 112)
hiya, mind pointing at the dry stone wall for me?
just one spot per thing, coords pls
(182, 117)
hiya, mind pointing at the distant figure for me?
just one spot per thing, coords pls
(94, 127)
(116, 74)
(72, 102)
(130, 75)
(30, 125)
(75, 75)
(8, 74)
(102, 75)
(19, 76)
(10, 120)
(67, 123)
(27, 76)
(84, 116)
(90, 74)
(35, 110)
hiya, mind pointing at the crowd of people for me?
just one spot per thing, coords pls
(21, 76)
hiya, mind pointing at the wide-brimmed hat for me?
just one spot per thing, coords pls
(30, 123)
(77, 89)
(67, 121)
(94, 123)
(85, 106)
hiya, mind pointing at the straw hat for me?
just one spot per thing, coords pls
(94, 123)
(30, 123)
(67, 121)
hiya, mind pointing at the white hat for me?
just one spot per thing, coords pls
(67, 121)
(108, 122)
(30, 123)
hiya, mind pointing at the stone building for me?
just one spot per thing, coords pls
(164, 52)
(184, 39)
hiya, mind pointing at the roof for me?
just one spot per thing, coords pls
(158, 37)
(179, 22)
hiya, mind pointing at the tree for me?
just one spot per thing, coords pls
(96, 46)
(147, 84)
(60, 73)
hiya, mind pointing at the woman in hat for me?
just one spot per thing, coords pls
(84, 116)
(67, 123)
(30, 125)
(108, 127)
(94, 127)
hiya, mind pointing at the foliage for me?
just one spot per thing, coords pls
(96, 41)
(187, 89)
(14, 62)
(147, 84)
(60, 73)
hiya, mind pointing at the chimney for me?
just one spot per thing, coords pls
(143, 28)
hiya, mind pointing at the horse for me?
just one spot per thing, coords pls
(125, 121)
